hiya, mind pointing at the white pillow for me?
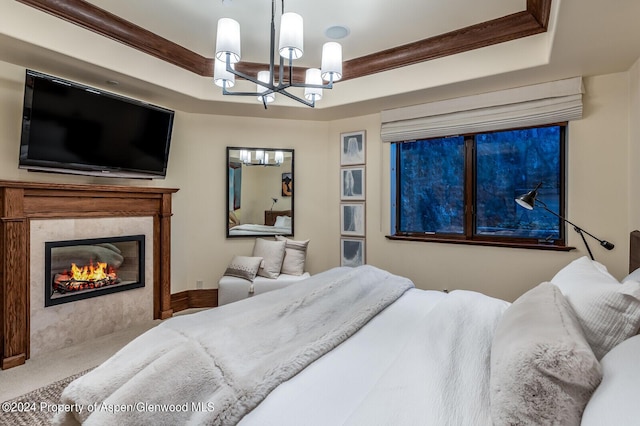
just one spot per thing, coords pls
(272, 254)
(615, 401)
(634, 276)
(609, 312)
(295, 255)
(243, 267)
(283, 222)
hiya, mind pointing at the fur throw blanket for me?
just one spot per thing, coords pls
(215, 366)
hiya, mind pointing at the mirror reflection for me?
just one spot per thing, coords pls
(259, 192)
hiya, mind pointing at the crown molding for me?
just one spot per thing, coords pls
(534, 20)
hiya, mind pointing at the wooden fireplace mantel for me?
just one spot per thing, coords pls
(20, 202)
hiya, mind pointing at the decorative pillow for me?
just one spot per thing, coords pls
(615, 402)
(542, 368)
(243, 267)
(272, 253)
(283, 222)
(609, 312)
(634, 276)
(295, 254)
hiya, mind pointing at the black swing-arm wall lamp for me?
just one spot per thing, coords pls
(529, 201)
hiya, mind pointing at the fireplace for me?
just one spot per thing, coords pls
(27, 205)
(80, 269)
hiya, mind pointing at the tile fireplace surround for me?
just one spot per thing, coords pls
(24, 202)
(58, 326)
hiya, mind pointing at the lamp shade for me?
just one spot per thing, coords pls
(265, 76)
(332, 61)
(312, 76)
(222, 77)
(291, 36)
(228, 40)
(528, 200)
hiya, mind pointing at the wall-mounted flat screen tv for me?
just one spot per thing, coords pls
(71, 128)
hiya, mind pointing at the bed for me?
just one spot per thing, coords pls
(276, 222)
(361, 346)
(253, 229)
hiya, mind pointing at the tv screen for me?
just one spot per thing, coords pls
(71, 128)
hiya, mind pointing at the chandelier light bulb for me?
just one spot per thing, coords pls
(332, 61)
(228, 40)
(291, 36)
(222, 77)
(265, 77)
(312, 76)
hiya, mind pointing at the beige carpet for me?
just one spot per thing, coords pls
(42, 378)
(36, 408)
(40, 371)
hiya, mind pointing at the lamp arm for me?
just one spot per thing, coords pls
(578, 229)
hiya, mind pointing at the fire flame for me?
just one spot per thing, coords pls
(91, 272)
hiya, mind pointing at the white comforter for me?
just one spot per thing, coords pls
(422, 361)
(256, 229)
(215, 366)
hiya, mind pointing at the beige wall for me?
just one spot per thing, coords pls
(200, 250)
(598, 191)
(603, 152)
(259, 186)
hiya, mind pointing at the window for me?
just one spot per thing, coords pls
(463, 188)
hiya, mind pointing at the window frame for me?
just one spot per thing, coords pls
(469, 235)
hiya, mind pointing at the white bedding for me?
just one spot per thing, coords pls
(232, 289)
(255, 229)
(388, 354)
(230, 358)
(422, 361)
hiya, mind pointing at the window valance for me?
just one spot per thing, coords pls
(534, 105)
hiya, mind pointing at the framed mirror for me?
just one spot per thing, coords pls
(260, 192)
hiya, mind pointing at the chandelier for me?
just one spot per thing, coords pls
(260, 157)
(290, 47)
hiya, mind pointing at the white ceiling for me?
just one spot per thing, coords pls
(375, 25)
(586, 37)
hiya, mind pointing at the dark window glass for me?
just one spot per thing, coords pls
(432, 186)
(464, 187)
(509, 164)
